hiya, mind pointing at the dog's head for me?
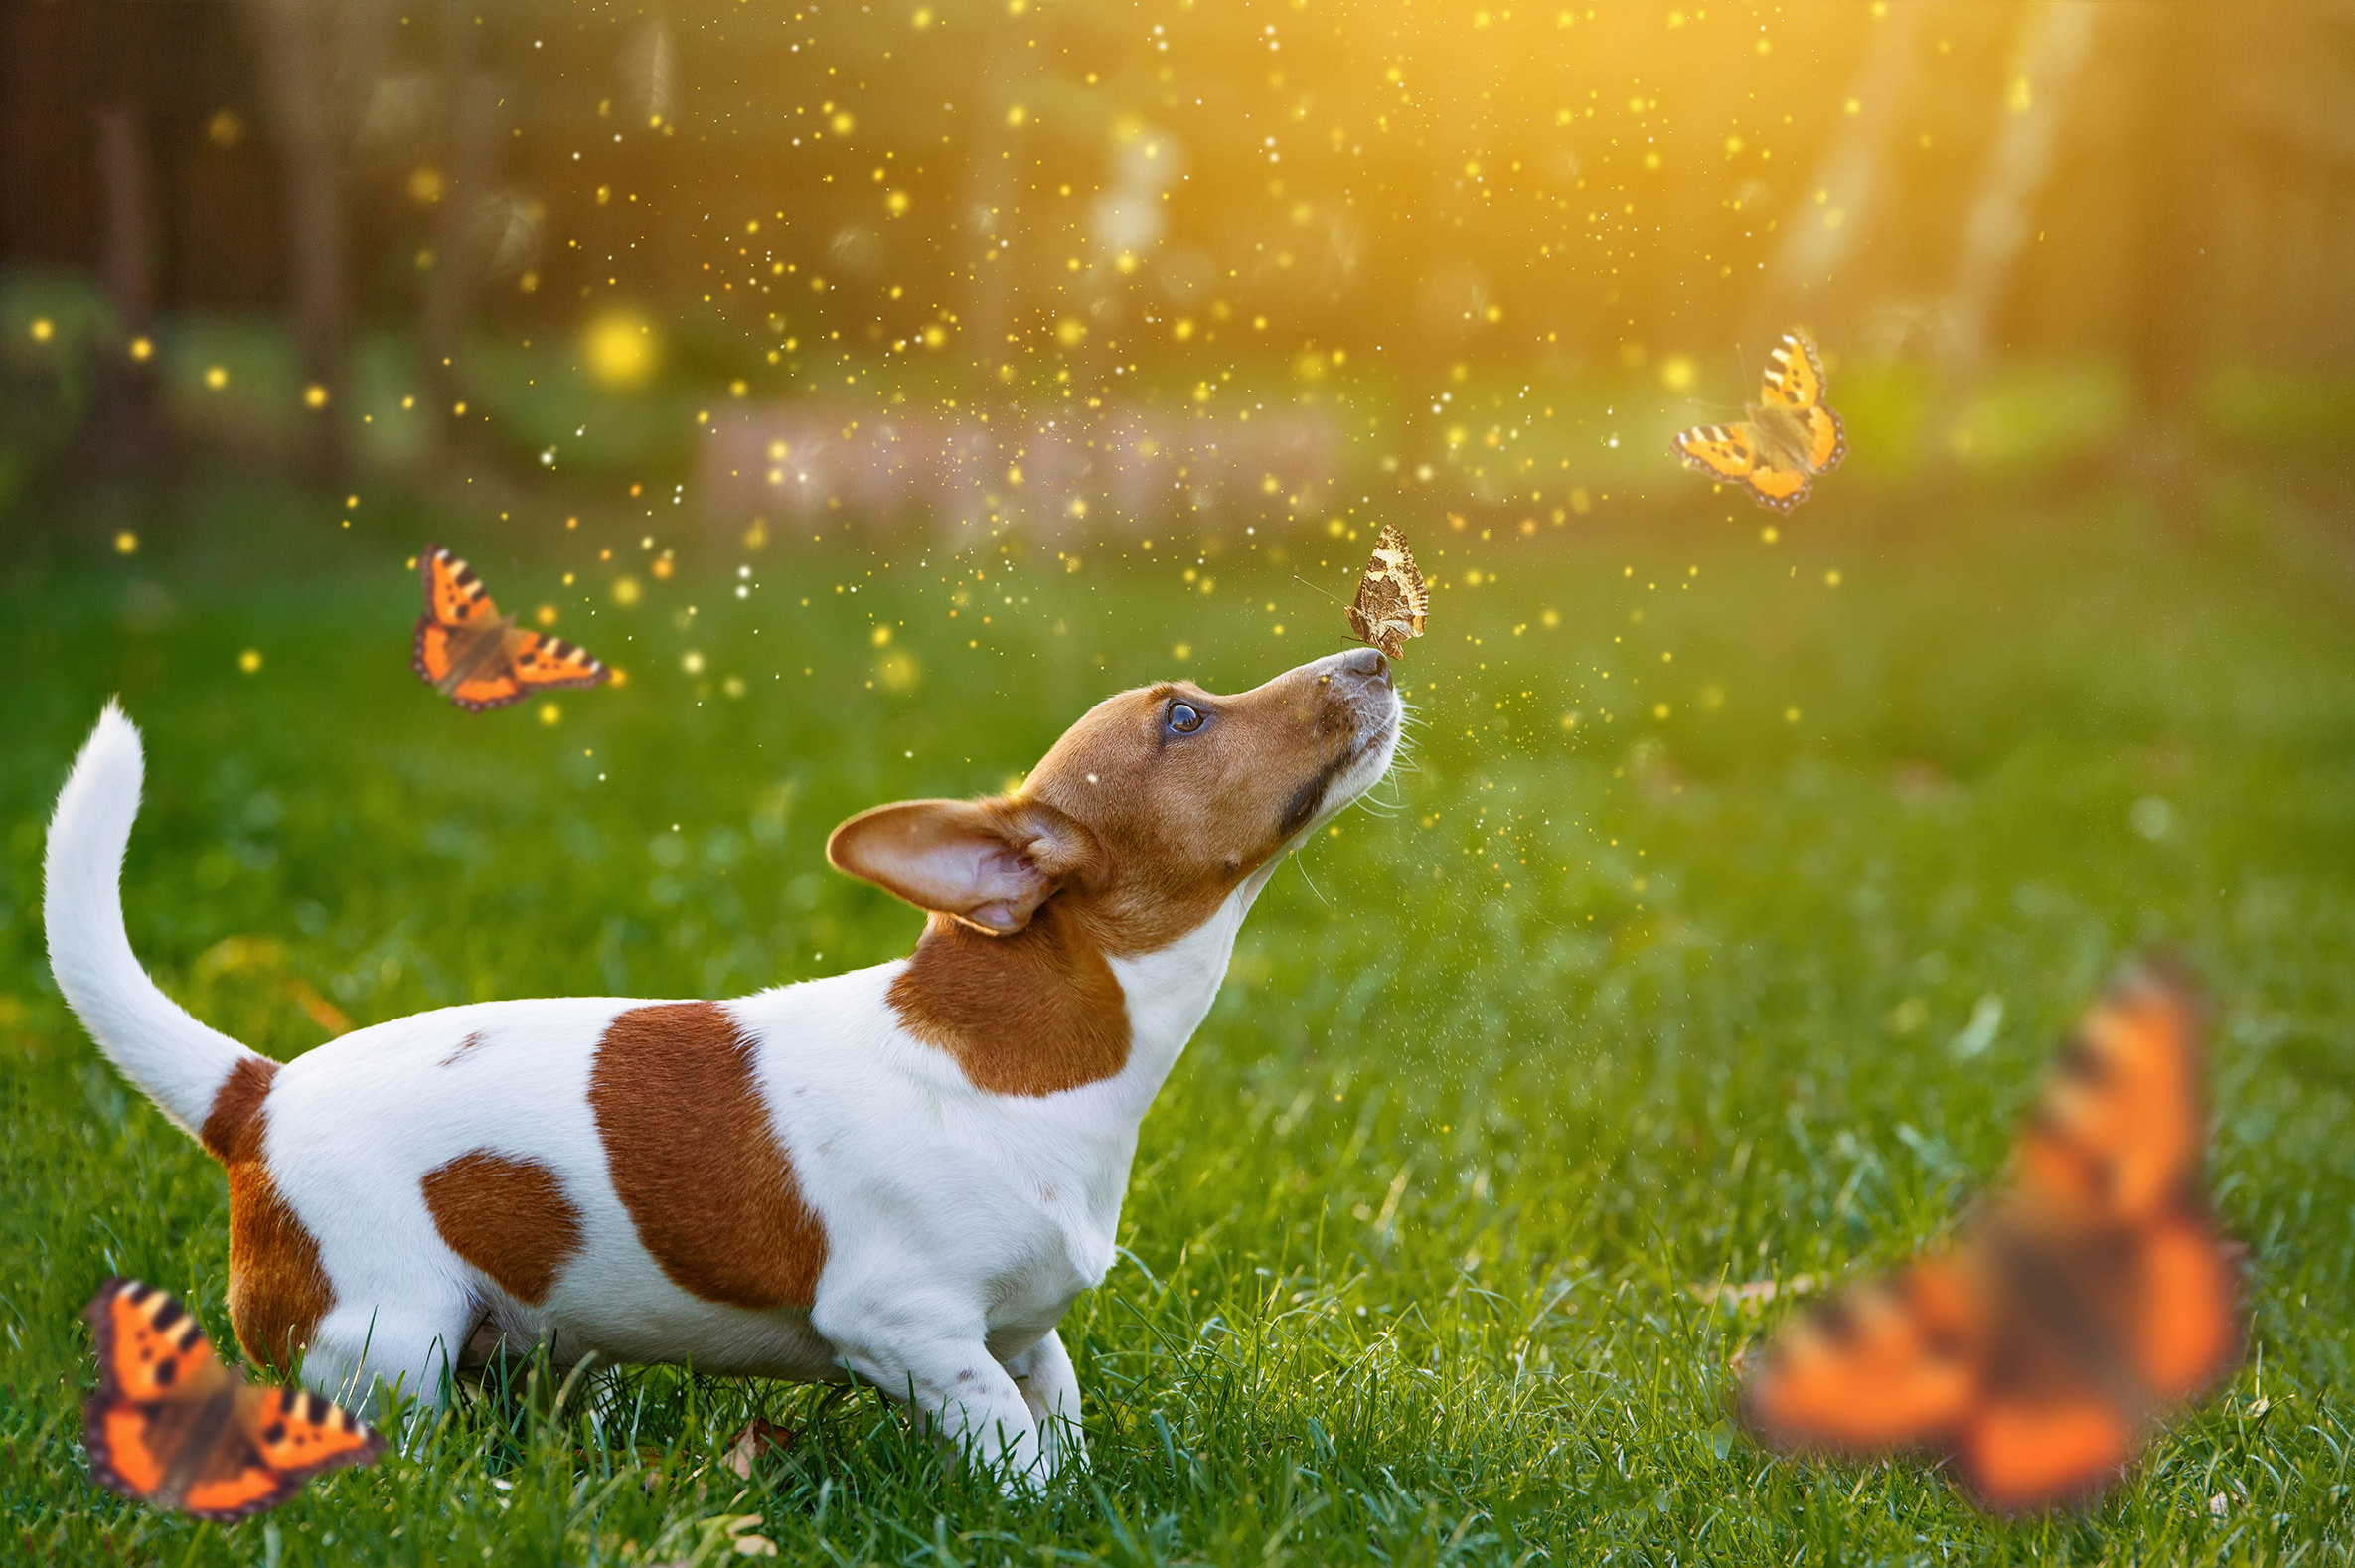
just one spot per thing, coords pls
(1149, 813)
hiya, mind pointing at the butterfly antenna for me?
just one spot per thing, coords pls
(1306, 583)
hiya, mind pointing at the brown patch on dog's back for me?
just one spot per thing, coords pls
(464, 1045)
(695, 1161)
(277, 1290)
(508, 1217)
(1034, 1013)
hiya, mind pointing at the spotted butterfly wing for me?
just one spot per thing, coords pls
(476, 657)
(1393, 602)
(2093, 1300)
(170, 1425)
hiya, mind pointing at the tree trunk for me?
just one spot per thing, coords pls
(298, 84)
(471, 103)
(126, 430)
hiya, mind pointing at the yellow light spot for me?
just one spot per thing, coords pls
(2021, 96)
(215, 376)
(426, 186)
(314, 395)
(546, 615)
(142, 349)
(620, 348)
(1017, 115)
(1550, 619)
(621, 676)
(43, 328)
(882, 636)
(1069, 331)
(922, 19)
(1183, 651)
(895, 201)
(1790, 716)
(126, 542)
(549, 713)
(1831, 579)
(841, 123)
(625, 591)
(899, 670)
(225, 129)
(1770, 532)
(251, 661)
(663, 568)
(1677, 372)
(692, 662)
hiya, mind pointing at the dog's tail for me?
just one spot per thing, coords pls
(180, 1063)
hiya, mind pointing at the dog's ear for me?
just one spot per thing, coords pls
(990, 863)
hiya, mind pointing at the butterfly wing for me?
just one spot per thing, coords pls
(549, 663)
(1794, 373)
(1395, 564)
(150, 1347)
(299, 1434)
(454, 596)
(1827, 438)
(1725, 452)
(1894, 1365)
(1393, 602)
(2118, 1134)
(2048, 1447)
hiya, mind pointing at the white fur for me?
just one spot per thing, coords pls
(961, 1225)
(179, 1062)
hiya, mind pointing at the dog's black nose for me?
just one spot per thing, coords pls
(1368, 664)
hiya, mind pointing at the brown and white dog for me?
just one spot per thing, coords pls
(904, 1175)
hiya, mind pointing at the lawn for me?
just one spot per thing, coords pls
(1714, 930)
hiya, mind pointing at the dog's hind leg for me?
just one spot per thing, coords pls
(399, 1349)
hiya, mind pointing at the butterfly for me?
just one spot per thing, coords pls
(171, 1426)
(1790, 439)
(2092, 1298)
(1392, 601)
(478, 658)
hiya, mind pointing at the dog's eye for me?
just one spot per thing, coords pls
(1184, 719)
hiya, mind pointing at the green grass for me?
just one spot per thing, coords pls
(1583, 1018)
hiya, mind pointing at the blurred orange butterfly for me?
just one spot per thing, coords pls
(480, 659)
(1791, 438)
(2093, 1299)
(171, 1426)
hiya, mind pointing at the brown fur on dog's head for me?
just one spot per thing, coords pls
(1148, 812)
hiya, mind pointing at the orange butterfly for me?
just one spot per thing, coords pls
(1791, 438)
(2090, 1302)
(478, 658)
(171, 1426)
